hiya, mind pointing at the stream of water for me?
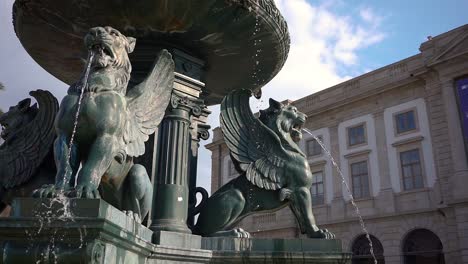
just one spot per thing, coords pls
(343, 180)
(77, 115)
(49, 212)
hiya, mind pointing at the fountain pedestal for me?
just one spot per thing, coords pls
(98, 233)
(177, 148)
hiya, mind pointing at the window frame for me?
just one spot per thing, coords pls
(411, 147)
(316, 184)
(307, 147)
(351, 177)
(416, 121)
(364, 126)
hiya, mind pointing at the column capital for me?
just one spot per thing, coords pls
(203, 131)
(193, 105)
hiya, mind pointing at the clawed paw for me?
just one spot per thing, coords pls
(241, 233)
(322, 233)
(237, 232)
(84, 191)
(133, 215)
(47, 191)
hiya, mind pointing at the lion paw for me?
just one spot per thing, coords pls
(237, 232)
(47, 191)
(85, 191)
(133, 215)
(241, 233)
(321, 233)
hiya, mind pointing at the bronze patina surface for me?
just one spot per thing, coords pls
(226, 34)
(112, 126)
(26, 160)
(274, 172)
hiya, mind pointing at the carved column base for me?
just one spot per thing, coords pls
(173, 217)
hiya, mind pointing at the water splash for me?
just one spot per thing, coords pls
(257, 42)
(356, 208)
(58, 208)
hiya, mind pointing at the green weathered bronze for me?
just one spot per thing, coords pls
(172, 179)
(274, 171)
(249, 36)
(113, 124)
(26, 160)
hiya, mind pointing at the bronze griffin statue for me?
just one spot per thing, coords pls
(274, 171)
(113, 124)
(26, 160)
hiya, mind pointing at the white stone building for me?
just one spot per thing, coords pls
(398, 135)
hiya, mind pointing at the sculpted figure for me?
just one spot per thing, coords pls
(114, 123)
(274, 171)
(26, 160)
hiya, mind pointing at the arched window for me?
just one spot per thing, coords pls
(421, 246)
(361, 250)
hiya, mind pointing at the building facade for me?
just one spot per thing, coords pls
(399, 135)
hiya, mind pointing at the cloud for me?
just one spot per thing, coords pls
(323, 42)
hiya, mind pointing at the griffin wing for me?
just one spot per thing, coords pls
(147, 103)
(20, 159)
(253, 145)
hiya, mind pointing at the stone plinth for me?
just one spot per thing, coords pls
(251, 250)
(38, 232)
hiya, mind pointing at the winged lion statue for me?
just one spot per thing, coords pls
(114, 122)
(274, 171)
(26, 160)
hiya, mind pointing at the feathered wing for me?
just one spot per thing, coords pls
(253, 145)
(147, 103)
(20, 159)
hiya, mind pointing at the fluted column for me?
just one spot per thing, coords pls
(170, 203)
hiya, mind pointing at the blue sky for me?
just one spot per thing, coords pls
(332, 41)
(405, 23)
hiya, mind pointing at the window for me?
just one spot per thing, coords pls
(232, 170)
(360, 179)
(405, 122)
(317, 188)
(361, 250)
(313, 147)
(421, 246)
(411, 169)
(356, 135)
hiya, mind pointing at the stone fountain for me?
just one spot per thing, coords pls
(123, 188)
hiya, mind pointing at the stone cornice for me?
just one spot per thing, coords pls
(395, 75)
(407, 140)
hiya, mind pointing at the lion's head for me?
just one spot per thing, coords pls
(110, 49)
(16, 118)
(285, 120)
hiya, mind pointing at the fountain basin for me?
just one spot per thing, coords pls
(99, 233)
(242, 43)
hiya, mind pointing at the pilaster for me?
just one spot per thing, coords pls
(459, 158)
(385, 199)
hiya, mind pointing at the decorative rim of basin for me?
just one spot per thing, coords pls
(242, 43)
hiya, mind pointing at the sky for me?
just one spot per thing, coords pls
(331, 41)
